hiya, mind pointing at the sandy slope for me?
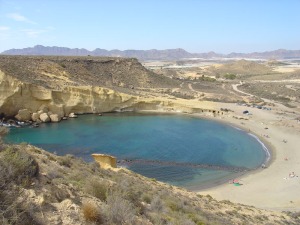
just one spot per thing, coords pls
(269, 188)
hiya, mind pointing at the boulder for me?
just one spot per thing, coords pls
(23, 115)
(55, 118)
(105, 161)
(44, 117)
(35, 117)
(72, 115)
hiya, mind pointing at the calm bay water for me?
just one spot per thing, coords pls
(166, 138)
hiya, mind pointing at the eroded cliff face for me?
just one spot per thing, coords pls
(16, 95)
(61, 85)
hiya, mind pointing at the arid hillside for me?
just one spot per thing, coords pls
(39, 188)
(241, 68)
(56, 72)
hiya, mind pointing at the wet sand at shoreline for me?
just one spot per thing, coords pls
(276, 187)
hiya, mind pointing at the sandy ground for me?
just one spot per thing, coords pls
(272, 187)
(286, 69)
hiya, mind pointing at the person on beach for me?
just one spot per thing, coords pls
(291, 175)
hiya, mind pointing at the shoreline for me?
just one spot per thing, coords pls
(267, 147)
(239, 176)
(269, 188)
(207, 184)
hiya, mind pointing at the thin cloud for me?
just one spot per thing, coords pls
(3, 28)
(18, 17)
(4, 33)
(32, 33)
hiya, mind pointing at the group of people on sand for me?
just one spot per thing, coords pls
(234, 181)
(292, 174)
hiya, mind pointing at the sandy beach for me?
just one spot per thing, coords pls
(276, 187)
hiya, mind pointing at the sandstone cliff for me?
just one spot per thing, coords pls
(16, 95)
(81, 85)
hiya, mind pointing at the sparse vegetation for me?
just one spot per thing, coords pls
(54, 192)
(91, 212)
(205, 78)
(17, 170)
(229, 76)
(97, 189)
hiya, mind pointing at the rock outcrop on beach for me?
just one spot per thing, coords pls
(105, 161)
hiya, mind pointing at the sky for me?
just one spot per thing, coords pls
(222, 26)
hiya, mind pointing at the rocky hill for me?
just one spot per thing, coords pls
(39, 188)
(140, 54)
(241, 68)
(51, 71)
(153, 54)
(73, 84)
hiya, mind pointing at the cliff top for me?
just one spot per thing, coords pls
(59, 71)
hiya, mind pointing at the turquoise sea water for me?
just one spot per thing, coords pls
(161, 138)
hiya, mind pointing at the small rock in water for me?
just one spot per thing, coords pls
(44, 117)
(55, 118)
(72, 115)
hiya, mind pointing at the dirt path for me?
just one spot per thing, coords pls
(235, 87)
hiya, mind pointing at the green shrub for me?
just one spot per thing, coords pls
(146, 198)
(173, 205)
(230, 76)
(65, 160)
(17, 165)
(97, 188)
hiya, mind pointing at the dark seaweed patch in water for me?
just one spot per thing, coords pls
(131, 162)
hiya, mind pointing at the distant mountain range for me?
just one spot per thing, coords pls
(153, 54)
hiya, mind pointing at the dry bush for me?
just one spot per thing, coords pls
(119, 210)
(66, 160)
(96, 188)
(91, 212)
(17, 165)
(156, 204)
(54, 173)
